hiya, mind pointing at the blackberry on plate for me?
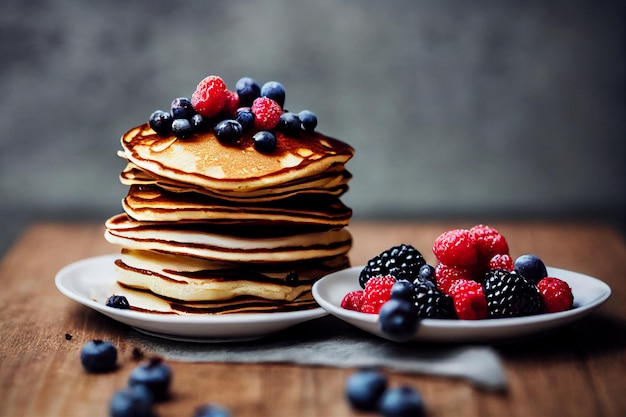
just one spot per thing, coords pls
(432, 303)
(401, 262)
(509, 294)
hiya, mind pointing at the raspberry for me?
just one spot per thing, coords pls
(266, 113)
(401, 262)
(456, 247)
(556, 293)
(447, 276)
(489, 242)
(469, 300)
(501, 261)
(352, 300)
(210, 96)
(376, 293)
(231, 103)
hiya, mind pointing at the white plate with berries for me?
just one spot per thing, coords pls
(588, 293)
(92, 281)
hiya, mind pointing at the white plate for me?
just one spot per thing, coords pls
(91, 281)
(588, 292)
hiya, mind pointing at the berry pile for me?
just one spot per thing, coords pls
(474, 278)
(251, 108)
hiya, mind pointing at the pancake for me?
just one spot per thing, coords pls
(204, 161)
(192, 279)
(151, 203)
(200, 240)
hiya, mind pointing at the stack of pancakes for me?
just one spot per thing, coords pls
(222, 228)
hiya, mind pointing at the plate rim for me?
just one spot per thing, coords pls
(68, 274)
(466, 325)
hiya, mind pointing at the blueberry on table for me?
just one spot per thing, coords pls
(132, 402)
(364, 388)
(399, 318)
(275, 91)
(403, 401)
(530, 267)
(98, 356)
(155, 374)
(210, 410)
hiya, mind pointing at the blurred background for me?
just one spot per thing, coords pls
(484, 109)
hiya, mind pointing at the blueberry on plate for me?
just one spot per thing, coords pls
(426, 273)
(289, 123)
(161, 122)
(403, 401)
(308, 120)
(155, 374)
(275, 91)
(403, 290)
(399, 318)
(132, 402)
(364, 388)
(245, 117)
(210, 410)
(118, 301)
(530, 267)
(199, 123)
(264, 141)
(247, 90)
(98, 356)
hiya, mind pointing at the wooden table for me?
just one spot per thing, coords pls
(578, 370)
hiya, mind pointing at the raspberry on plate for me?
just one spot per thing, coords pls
(266, 113)
(353, 300)
(376, 293)
(489, 241)
(210, 96)
(447, 276)
(456, 247)
(501, 261)
(556, 293)
(469, 300)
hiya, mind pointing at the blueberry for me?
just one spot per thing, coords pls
(155, 374)
(118, 301)
(289, 123)
(398, 318)
(308, 120)
(247, 90)
(531, 267)
(275, 91)
(132, 402)
(228, 130)
(161, 122)
(403, 290)
(182, 108)
(403, 401)
(245, 117)
(182, 128)
(426, 273)
(98, 356)
(210, 410)
(264, 141)
(199, 123)
(364, 388)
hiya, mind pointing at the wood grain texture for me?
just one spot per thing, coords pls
(577, 370)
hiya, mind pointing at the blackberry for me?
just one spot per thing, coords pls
(511, 295)
(432, 303)
(403, 262)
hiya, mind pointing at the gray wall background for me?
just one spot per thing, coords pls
(475, 109)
